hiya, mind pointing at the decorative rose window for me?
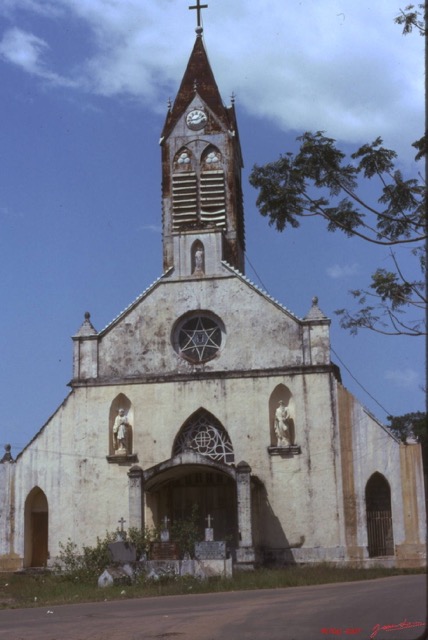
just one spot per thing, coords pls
(198, 338)
(205, 435)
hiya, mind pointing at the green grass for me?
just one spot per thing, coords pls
(46, 589)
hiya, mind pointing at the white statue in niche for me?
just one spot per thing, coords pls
(199, 260)
(282, 423)
(120, 433)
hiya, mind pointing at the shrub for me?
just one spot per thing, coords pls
(87, 565)
(142, 538)
(187, 532)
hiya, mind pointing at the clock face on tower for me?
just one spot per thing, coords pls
(196, 119)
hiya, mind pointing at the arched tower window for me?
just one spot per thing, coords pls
(203, 433)
(212, 188)
(281, 417)
(379, 517)
(120, 426)
(184, 190)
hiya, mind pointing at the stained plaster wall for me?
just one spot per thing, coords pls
(298, 499)
(412, 551)
(9, 559)
(67, 462)
(300, 504)
(87, 495)
(140, 343)
(370, 448)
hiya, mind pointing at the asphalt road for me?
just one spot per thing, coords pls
(347, 610)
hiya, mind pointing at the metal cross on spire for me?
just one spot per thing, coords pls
(198, 8)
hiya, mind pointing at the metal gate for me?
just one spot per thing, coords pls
(379, 530)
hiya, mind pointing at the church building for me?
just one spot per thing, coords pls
(206, 391)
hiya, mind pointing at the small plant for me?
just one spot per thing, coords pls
(187, 532)
(142, 539)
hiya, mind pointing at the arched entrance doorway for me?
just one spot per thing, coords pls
(174, 488)
(379, 517)
(36, 529)
(210, 487)
(201, 473)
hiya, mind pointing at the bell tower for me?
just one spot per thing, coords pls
(203, 221)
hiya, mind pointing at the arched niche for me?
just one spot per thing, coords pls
(204, 434)
(121, 404)
(198, 258)
(379, 516)
(36, 529)
(281, 393)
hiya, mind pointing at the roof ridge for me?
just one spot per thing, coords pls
(260, 290)
(137, 300)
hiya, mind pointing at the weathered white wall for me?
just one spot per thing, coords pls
(299, 499)
(371, 448)
(9, 557)
(259, 334)
(87, 495)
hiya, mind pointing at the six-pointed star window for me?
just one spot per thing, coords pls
(199, 339)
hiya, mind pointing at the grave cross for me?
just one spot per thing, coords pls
(165, 522)
(198, 8)
(121, 522)
(209, 519)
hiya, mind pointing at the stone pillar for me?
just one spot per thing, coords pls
(136, 497)
(85, 351)
(245, 555)
(411, 552)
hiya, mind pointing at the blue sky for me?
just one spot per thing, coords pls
(85, 85)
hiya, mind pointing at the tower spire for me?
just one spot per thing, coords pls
(203, 218)
(198, 6)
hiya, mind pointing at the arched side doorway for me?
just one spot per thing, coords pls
(36, 529)
(379, 517)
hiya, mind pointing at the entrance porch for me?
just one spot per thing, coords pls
(222, 491)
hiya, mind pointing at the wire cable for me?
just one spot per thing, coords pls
(388, 413)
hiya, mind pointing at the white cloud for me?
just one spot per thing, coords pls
(23, 49)
(338, 271)
(151, 227)
(403, 378)
(307, 65)
(40, 7)
(7, 212)
(26, 51)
